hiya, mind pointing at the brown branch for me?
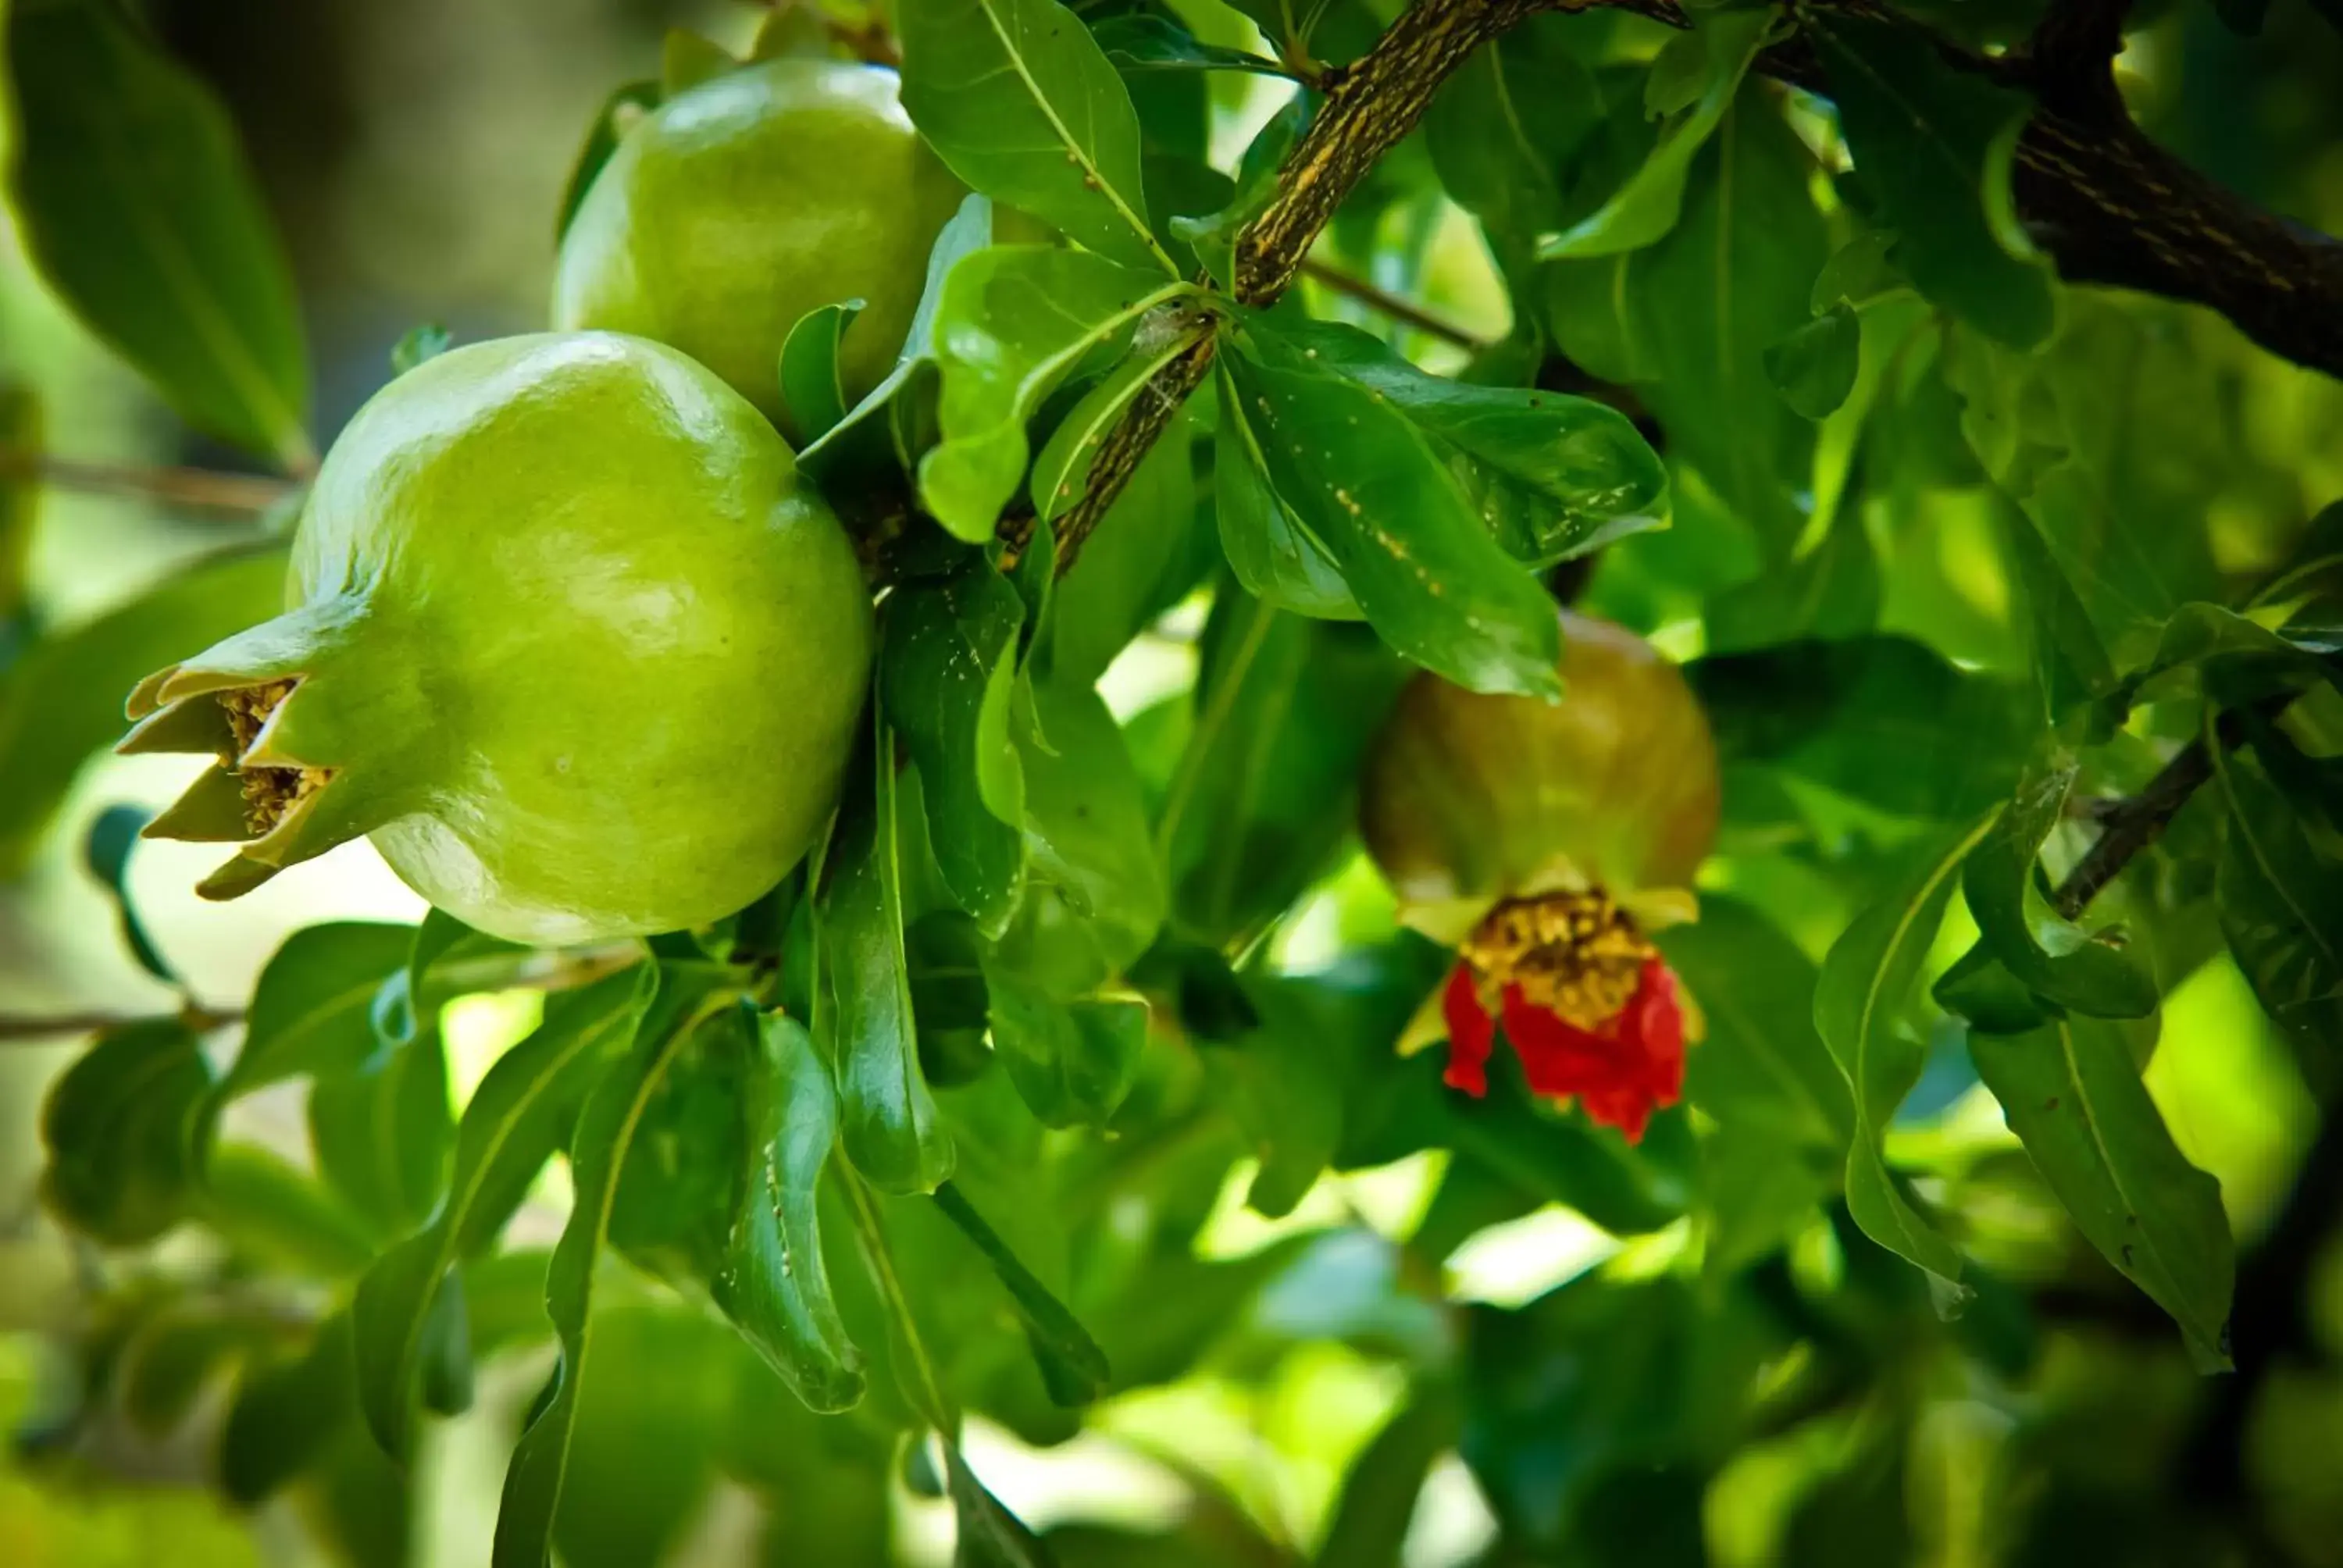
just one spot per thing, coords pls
(1369, 106)
(39, 1030)
(2131, 824)
(1406, 312)
(245, 496)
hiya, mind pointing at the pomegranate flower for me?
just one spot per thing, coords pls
(1586, 1004)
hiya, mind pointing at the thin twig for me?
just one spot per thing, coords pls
(242, 496)
(2131, 824)
(39, 1030)
(1404, 311)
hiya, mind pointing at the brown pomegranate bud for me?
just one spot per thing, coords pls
(1542, 840)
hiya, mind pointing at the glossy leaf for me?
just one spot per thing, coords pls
(1099, 900)
(2073, 1094)
(120, 1130)
(630, 100)
(1933, 147)
(1143, 41)
(106, 853)
(515, 1119)
(598, 1152)
(1071, 1061)
(1647, 206)
(1552, 475)
(893, 1134)
(312, 1010)
(1866, 982)
(62, 700)
(1014, 321)
(1061, 473)
(1151, 548)
(2281, 906)
(1016, 97)
(811, 388)
(858, 440)
(948, 663)
(2056, 958)
(1371, 488)
(1274, 555)
(775, 1286)
(135, 200)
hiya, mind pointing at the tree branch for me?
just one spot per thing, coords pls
(1369, 106)
(1406, 312)
(243, 495)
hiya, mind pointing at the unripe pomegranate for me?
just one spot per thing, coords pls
(568, 641)
(736, 207)
(1544, 840)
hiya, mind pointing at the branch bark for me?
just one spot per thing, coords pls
(1369, 106)
(243, 495)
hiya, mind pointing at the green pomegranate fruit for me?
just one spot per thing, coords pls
(1469, 798)
(739, 206)
(568, 640)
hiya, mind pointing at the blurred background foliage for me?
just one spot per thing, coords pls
(1427, 1358)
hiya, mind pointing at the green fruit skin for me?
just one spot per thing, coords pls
(740, 204)
(631, 648)
(1468, 795)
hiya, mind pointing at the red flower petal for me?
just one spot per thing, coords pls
(1472, 1033)
(1621, 1072)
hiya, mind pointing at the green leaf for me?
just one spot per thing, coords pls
(687, 59)
(312, 1009)
(1061, 473)
(857, 444)
(381, 1132)
(2073, 1094)
(1285, 709)
(1552, 475)
(62, 700)
(1277, 559)
(1762, 1065)
(2071, 663)
(1073, 1062)
(1369, 1527)
(281, 1217)
(1814, 368)
(811, 388)
(1884, 720)
(1370, 489)
(1282, 1087)
(1055, 1333)
(775, 1286)
(1098, 899)
(1688, 320)
(106, 853)
(1506, 127)
(622, 107)
(416, 345)
(120, 1128)
(1758, 1190)
(1141, 41)
(1015, 321)
(598, 1152)
(1934, 145)
(893, 1134)
(1018, 99)
(2281, 906)
(2058, 960)
(1865, 983)
(284, 1415)
(517, 1118)
(135, 201)
(947, 667)
(1648, 206)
